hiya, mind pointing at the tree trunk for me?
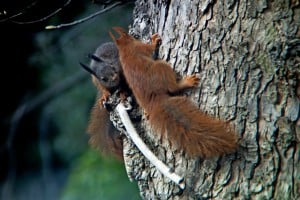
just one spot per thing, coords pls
(247, 57)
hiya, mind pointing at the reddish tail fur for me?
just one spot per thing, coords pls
(191, 130)
(103, 135)
(154, 85)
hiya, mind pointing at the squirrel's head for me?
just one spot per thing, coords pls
(106, 72)
(124, 37)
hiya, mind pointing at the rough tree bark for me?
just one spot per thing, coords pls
(247, 56)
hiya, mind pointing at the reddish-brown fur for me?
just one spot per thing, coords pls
(103, 135)
(154, 85)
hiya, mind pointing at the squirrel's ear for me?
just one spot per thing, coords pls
(113, 37)
(94, 57)
(122, 33)
(119, 30)
(87, 68)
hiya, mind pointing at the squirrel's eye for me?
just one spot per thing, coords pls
(113, 68)
(104, 79)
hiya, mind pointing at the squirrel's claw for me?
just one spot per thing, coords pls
(155, 39)
(103, 98)
(192, 80)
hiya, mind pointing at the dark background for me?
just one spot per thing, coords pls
(46, 99)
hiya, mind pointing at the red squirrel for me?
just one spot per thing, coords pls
(154, 85)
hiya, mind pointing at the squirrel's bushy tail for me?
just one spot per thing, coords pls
(188, 128)
(103, 135)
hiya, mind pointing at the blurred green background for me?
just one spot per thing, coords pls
(44, 149)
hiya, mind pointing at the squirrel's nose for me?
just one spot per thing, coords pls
(114, 77)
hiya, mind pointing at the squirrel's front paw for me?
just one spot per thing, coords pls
(103, 99)
(192, 80)
(155, 39)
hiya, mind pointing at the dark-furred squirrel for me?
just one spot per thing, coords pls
(107, 76)
(154, 85)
